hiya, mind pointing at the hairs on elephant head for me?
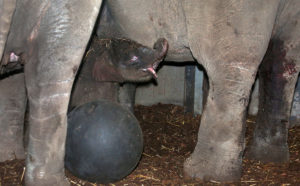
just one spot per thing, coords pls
(124, 60)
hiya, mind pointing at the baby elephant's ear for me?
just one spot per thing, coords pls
(161, 47)
(105, 71)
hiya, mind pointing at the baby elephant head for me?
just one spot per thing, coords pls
(124, 60)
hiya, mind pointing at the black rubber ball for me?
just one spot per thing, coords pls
(104, 142)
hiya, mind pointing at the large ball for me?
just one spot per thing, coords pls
(104, 142)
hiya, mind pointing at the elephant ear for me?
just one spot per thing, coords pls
(161, 47)
(105, 71)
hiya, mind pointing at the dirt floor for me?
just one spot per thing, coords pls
(169, 138)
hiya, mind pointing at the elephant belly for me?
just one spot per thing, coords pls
(156, 19)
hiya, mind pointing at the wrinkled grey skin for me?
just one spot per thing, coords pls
(281, 65)
(229, 39)
(50, 37)
(6, 12)
(12, 110)
(121, 60)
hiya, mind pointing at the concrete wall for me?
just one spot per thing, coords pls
(169, 89)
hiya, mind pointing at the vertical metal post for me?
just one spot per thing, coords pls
(189, 86)
(295, 113)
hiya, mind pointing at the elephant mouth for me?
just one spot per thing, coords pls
(152, 69)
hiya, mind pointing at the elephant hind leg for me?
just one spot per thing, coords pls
(278, 76)
(230, 45)
(220, 145)
(12, 111)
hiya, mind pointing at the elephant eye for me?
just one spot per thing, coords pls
(134, 59)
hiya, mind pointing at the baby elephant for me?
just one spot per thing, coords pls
(112, 61)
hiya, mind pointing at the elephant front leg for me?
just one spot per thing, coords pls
(220, 145)
(278, 76)
(54, 47)
(48, 102)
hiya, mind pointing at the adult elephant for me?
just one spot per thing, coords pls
(229, 39)
(50, 38)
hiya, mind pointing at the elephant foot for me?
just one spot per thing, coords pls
(268, 153)
(11, 151)
(46, 179)
(11, 144)
(269, 143)
(221, 169)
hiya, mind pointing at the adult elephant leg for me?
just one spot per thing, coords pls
(7, 8)
(48, 103)
(55, 49)
(278, 75)
(12, 110)
(220, 145)
(230, 45)
(277, 84)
